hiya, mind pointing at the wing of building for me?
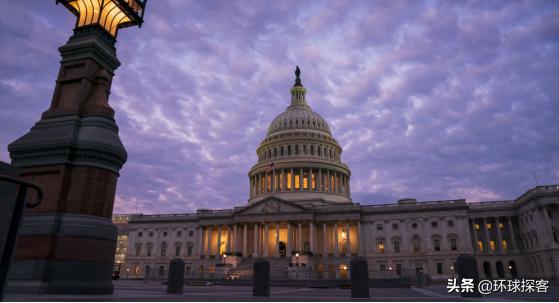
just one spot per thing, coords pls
(300, 216)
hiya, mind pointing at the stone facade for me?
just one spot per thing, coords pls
(300, 212)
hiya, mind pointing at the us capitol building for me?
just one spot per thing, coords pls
(300, 216)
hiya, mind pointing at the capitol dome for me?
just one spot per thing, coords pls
(299, 160)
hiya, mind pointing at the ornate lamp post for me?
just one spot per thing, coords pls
(74, 153)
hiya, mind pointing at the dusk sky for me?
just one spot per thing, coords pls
(431, 100)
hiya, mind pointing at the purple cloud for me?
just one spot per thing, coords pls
(429, 100)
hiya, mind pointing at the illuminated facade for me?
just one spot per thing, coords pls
(300, 216)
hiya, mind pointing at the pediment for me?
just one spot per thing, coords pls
(272, 205)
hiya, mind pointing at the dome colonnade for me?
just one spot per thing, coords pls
(299, 154)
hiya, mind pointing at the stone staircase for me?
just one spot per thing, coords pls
(278, 268)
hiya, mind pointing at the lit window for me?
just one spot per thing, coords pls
(288, 180)
(489, 225)
(492, 245)
(504, 245)
(333, 182)
(305, 180)
(297, 180)
(136, 269)
(480, 245)
(476, 226)
(381, 247)
(281, 181)
(269, 183)
(276, 182)
(313, 181)
(501, 225)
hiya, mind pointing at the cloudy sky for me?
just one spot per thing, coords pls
(432, 100)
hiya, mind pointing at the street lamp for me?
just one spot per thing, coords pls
(127, 273)
(297, 258)
(108, 14)
(224, 256)
(77, 132)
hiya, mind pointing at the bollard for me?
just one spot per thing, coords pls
(466, 267)
(175, 280)
(359, 272)
(261, 278)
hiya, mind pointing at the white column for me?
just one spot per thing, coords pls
(235, 239)
(476, 239)
(289, 239)
(228, 249)
(319, 180)
(487, 245)
(277, 239)
(428, 234)
(348, 241)
(311, 237)
(336, 244)
(218, 252)
(209, 241)
(549, 242)
(299, 237)
(325, 241)
(359, 240)
(511, 234)
(265, 244)
(255, 252)
(245, 242)
(199, 242)
(499, 235)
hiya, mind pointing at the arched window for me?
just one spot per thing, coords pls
(380, 244)
(149, 248)
(296, 149)
(138, 249)
(164, 249)
(312, 150)
(281, 151)
(416, 241)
